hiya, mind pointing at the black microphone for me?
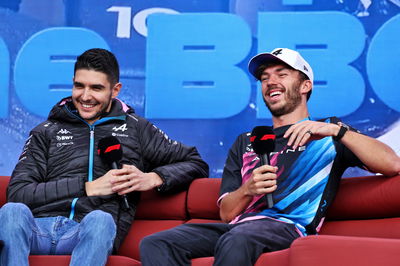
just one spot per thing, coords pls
(110, 151)
(263, 141)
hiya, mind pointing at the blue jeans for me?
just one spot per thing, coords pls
(90, 241)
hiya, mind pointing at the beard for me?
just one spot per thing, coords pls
(104, 108)
(292, 100)
(101, 112)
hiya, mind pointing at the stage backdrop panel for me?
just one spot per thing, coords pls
(184, 63)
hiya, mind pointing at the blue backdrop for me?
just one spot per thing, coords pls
(184, 63)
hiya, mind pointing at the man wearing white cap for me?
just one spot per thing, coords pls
(304, 172)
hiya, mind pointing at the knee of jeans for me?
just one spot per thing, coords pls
(15, 209)
(99, 221)
(13, 214)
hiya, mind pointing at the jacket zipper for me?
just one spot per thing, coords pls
(90, 169)
(91, 153)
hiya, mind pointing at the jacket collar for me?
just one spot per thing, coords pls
(65, 110)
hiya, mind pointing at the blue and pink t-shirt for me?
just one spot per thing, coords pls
(308, 178)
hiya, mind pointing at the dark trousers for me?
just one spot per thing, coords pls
(238, 244)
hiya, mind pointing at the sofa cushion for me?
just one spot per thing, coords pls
(45, 260)
(158, 206)
(344, 251)
(140, 229)
(277, 258)
(367, 198)
(205, 261)
(202, 198)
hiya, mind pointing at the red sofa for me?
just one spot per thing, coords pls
(362, 226)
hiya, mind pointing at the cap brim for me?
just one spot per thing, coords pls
(261, 59)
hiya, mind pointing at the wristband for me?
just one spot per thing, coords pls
(341, 133)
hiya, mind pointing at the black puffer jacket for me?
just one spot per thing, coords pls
(59, 157)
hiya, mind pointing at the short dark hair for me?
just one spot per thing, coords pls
(101, 60)
(259, 71)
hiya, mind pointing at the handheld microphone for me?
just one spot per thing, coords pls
(110, 151)
(263, 141)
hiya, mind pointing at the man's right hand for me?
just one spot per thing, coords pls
(102, 186)
(122, 181)
(262, 181)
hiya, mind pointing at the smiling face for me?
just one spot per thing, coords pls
(281, 89)
(92, 94)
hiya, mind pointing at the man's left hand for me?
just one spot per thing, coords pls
(132, 179)
(300, 133)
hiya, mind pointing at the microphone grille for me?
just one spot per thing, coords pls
(109, 149)
(263, 139)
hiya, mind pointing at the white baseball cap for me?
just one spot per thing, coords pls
(285, 55)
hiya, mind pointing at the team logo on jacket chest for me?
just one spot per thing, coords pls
(64, 137)
(118, 131)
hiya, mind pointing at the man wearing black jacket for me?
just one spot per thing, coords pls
(63, 199)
